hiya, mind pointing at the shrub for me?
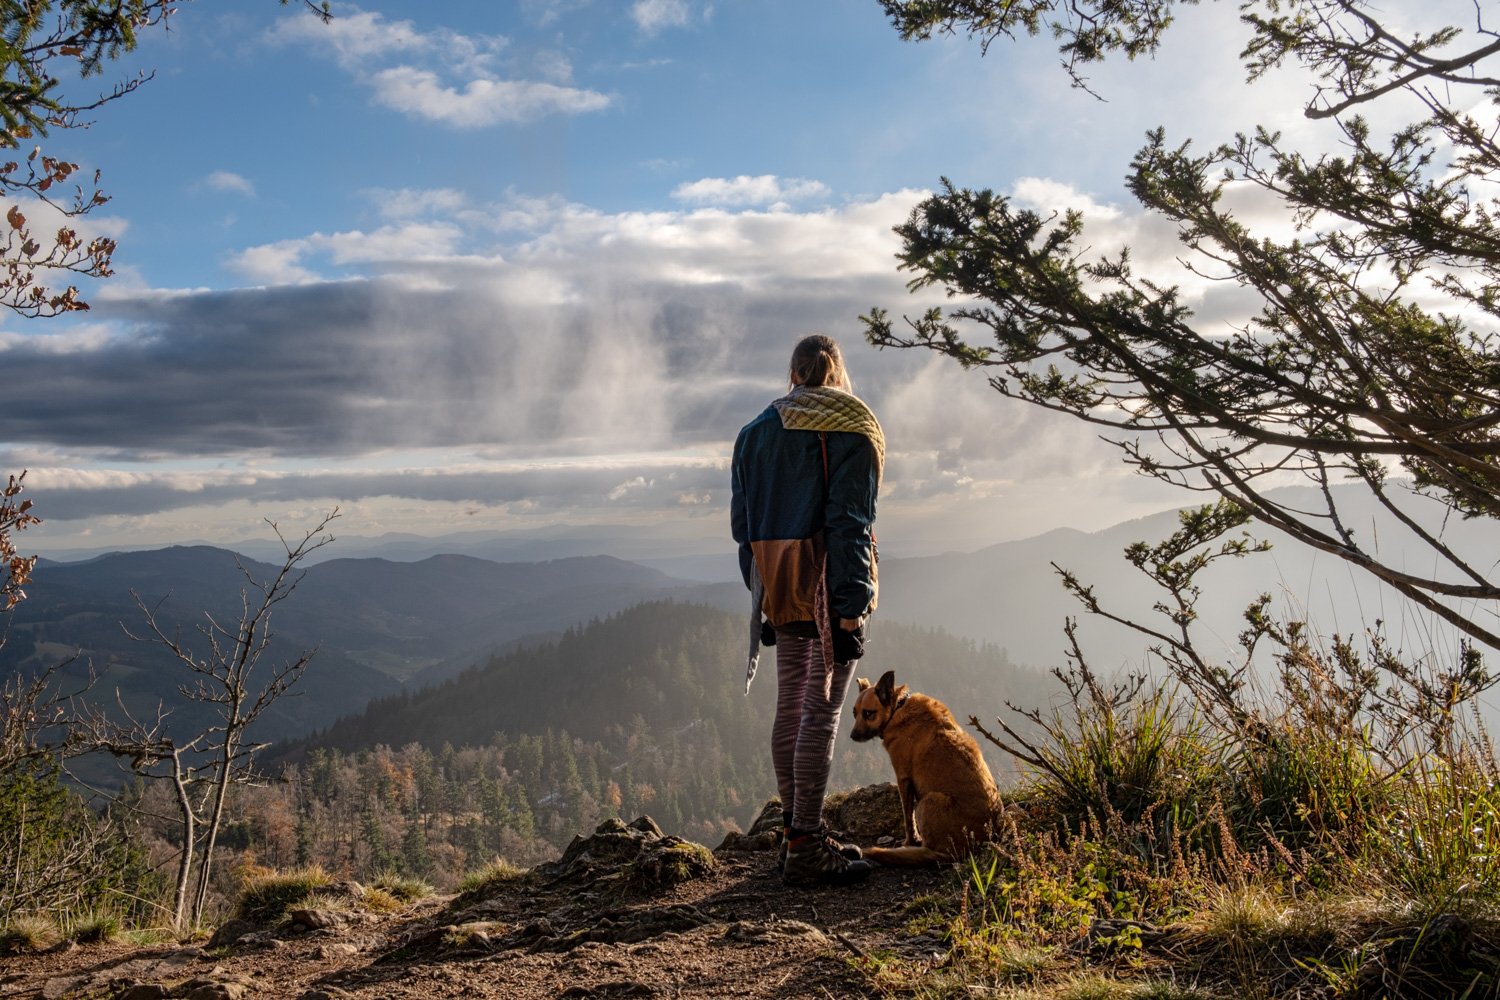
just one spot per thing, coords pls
(266, 895)
(1306, 788)
(1439, 848)
(405, 888)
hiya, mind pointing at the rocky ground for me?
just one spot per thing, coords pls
(624, 912)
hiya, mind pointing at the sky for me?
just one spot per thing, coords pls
(471, 266)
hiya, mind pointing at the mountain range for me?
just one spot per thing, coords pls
(385, 624)
(376, 623)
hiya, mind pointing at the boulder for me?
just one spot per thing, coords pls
(60, 986)
(867, 813)
(638, 850)
(231, 931)
(1105, 932)
(627, 926)
(734, 840)
(768, 820)
(318, 919)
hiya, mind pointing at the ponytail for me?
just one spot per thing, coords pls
(817, 361)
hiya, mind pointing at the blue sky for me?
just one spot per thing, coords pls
(825, 92)
(478, 265)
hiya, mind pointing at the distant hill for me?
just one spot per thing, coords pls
(698, 550)
(1009, 594)
(378, 622)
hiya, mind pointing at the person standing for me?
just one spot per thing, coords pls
(805, 475)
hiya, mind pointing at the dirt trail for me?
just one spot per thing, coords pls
(609, 921)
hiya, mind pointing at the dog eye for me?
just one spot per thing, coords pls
(869, 713)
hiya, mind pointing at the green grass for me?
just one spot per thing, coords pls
(95, 927)
(145, 936)
(266, 896)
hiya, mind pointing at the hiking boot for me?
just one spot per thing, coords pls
(814, 858)
(850, 851)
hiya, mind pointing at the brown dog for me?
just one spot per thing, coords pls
(948, 796)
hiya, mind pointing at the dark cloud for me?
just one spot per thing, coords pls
(620, 342)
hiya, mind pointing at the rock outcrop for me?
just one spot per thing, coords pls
(636, 854)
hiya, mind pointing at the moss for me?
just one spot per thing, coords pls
(673, 862)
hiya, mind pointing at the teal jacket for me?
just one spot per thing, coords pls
(787, 516)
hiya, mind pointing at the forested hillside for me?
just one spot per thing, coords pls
(644, 711)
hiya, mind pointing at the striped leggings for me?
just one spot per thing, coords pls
(806, 724)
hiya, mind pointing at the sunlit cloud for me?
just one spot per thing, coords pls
(652, 16)
(224, 180)
(440, 75)
(743, 190)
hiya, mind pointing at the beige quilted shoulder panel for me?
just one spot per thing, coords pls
(820, 408)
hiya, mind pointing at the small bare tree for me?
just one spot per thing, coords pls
(148, 747)
(223, 677)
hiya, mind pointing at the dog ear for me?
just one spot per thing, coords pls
(864, 685)
(885, 687)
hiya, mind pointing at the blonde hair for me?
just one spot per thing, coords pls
(817, 360)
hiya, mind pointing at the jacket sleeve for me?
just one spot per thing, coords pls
(739, 519)
(849, 523)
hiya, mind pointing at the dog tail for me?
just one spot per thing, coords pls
(906, 857)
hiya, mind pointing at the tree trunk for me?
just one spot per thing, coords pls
(185, 866)
(213, 828)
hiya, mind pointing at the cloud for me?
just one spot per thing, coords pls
(544, 12)
(652, 16)
(223, 180)
(744, 190)
(408, 202)
(280, 263)
(357, 38)
(441, 75)
(529, 351)
(481, 103)
(73, 494)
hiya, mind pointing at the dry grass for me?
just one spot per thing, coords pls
(483, 881)
(28, 932)
(379, 901)
(267, 895)
(406, 888)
